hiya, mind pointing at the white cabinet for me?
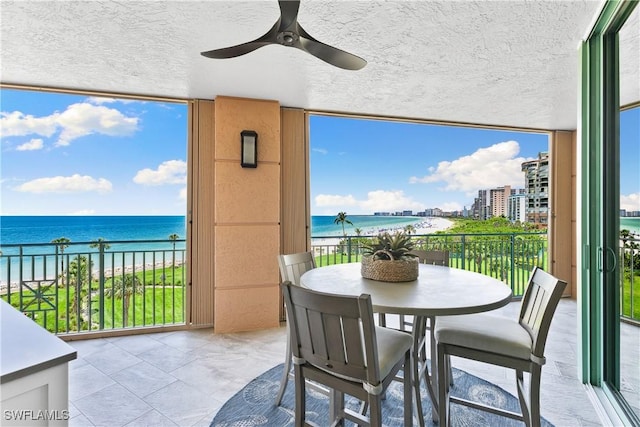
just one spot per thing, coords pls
(34, 373)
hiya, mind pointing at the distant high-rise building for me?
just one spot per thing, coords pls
(499, 198)
(517, 210)
(481, 205)
(492, 203)
(537, 188)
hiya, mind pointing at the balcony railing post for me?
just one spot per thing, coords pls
(101, 285)
(513, 263)
(464, 250)
(349, 249)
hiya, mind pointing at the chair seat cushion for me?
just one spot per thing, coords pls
(392, 344)
(485, 332)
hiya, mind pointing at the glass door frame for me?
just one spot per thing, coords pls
(599, 296)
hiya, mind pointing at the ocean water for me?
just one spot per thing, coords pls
(630, 223)
(39, 231)
(44, 229)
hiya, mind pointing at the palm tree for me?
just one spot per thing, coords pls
(625, 235)
(173, 237)
(341, 218)
(409, 228)
(124, 289)
(102, 246)
(79, 279)
(62, 244)
(100, 242)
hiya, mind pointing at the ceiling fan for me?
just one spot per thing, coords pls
(288, 32)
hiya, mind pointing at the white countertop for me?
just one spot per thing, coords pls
(27, 348)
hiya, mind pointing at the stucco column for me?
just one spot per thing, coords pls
(247, 217)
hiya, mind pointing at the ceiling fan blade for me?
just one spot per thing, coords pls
(288, 13)
(244, 48)
(329, 54)
(233, 51)
(288, 32)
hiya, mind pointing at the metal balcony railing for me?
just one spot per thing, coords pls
(96, 286)
(507, 257)
(99, 286)
(630, 278)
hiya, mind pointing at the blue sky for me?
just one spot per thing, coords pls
(364, 166)
(79, 155)
(394, 166)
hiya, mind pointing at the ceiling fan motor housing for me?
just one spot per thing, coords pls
(287, 38)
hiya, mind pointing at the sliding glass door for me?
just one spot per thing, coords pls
(605, 351)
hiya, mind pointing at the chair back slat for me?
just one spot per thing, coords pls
(335, 333)
(303, 323)
(352, 330)
(292, 266)
(538, 306)
(432, 257)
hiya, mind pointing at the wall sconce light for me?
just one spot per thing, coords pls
(248, 149)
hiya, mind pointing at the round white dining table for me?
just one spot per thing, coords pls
(438, 291)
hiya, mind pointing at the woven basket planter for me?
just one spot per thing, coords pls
(384, 270)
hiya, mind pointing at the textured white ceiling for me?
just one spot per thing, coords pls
(512, 63)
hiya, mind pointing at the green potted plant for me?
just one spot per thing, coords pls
(388, 258)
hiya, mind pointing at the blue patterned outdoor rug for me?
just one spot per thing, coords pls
(254, 404)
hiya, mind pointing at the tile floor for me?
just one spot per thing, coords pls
(182, 378)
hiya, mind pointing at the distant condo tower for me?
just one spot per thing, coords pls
(537, 188)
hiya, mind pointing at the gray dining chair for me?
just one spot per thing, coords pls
(292, 266)
(432, 257)
(335, 342)
(511, 343)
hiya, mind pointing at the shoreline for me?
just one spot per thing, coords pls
(427, 226)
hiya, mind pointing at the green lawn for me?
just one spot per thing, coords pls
(626, 294)
(154, 304)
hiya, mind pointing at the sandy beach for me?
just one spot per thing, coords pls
(426, 226)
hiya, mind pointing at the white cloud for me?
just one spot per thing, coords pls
(389, 201)
(100, 100)
(169, 172)
(34, 144)
(66, 184)
(77, 120)
(630, 202)
(489, 167)
(377, 201)
(84, 119)
(107, 100)
(450, 206)
(182, 195)
(17, 123)
(320, 150)
(326, 200)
